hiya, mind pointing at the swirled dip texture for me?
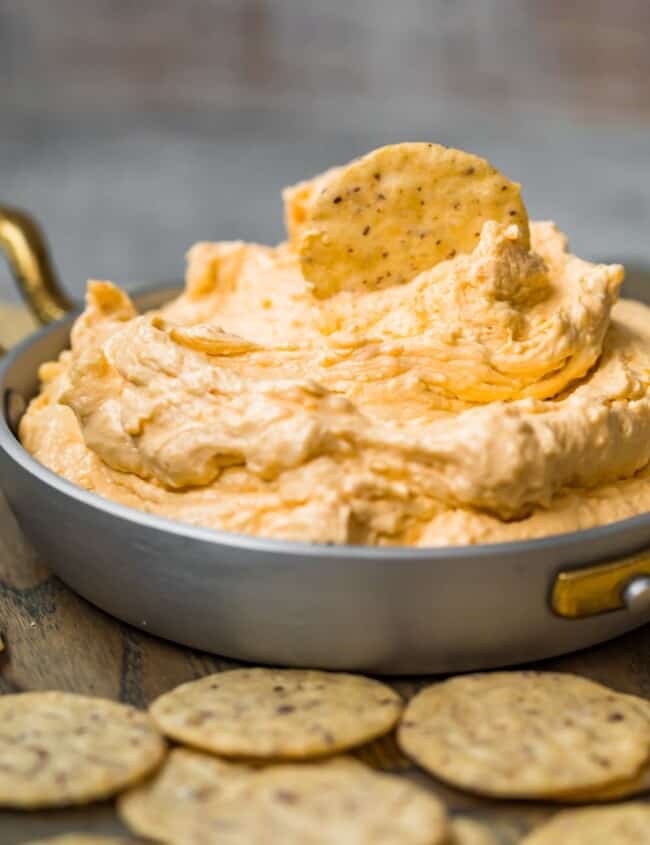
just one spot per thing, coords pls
(500, 394)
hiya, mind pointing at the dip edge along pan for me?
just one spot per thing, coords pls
(379, 610)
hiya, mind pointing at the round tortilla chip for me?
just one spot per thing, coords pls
(468, 832)
(57, 748)
(638, 784)
(627, 824)
(279, 713)
(386, 217)
(338, 800)
(198, 799)
(525, 734)
(188, 786)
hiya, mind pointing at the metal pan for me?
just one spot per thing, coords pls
(382, 610)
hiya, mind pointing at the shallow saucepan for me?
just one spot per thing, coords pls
(383, 610)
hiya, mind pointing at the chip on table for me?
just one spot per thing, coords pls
(198, 800)
(58, 749)
(526, 734)
(279, 713)
(625, 824)
(189, 786)
(637, 784)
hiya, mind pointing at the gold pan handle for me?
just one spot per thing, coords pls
(614, 585)
(23, 243)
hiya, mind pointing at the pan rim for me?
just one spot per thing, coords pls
(521, 549)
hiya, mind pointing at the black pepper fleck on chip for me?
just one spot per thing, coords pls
(366, 230)
(337, 200)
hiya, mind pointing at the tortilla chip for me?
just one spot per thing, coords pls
(188, 787)
(525, 734)
(384, 218)
(638, 784)
(57, 749)
(278, 713)
(338, 801)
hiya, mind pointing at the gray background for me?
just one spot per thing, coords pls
(133, 129)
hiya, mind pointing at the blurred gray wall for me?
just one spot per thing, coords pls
(132, 129)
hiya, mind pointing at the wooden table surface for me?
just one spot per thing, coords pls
(55, 640)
